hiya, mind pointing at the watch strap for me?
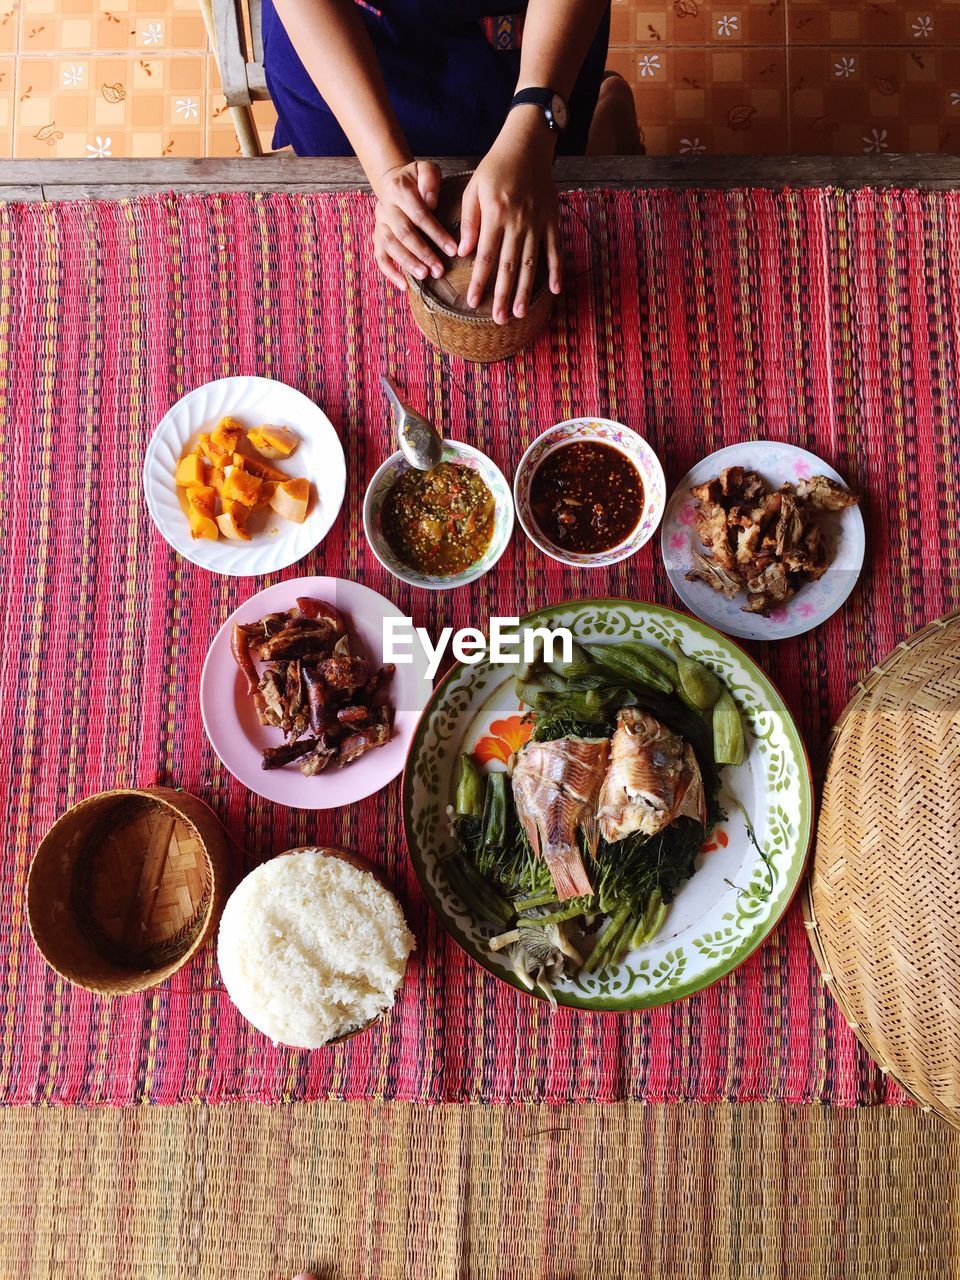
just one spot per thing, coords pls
(542, 98)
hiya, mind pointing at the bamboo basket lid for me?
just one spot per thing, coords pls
(440, 307)
(882, 902)
(126, 887)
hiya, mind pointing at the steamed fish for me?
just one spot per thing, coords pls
(555, 787)
(652, 779)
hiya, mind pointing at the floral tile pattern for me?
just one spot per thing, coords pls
(136, 77)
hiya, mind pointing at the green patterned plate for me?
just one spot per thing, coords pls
(736, 896)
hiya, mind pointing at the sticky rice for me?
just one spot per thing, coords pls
(311, 947)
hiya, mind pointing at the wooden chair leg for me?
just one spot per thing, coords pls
(246, 129)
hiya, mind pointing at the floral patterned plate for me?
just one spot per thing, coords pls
(815, 602)
(604, 431)
(736, 896)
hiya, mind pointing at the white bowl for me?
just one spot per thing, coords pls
(491, 475)
(627, 442)
(252, 401)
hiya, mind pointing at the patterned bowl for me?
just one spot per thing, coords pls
(622, 438)
(493, 478)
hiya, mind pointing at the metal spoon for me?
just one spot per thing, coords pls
(419, 441)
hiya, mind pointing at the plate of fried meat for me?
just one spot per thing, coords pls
(763, 540)
(296, 698)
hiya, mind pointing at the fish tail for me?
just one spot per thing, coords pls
(590, 826)
(568, 873)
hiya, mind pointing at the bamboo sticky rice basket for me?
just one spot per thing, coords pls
(126, 887)
(440, 309)
(883, 900)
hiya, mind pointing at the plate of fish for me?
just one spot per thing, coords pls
(763, 540)
(297, 701)
(616, 826)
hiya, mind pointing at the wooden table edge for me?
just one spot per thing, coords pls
(47, 180)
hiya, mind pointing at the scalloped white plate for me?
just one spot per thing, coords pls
(252, 401)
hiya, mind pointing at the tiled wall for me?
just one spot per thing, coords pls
(791, 75)
(135, 77)
(111, 77)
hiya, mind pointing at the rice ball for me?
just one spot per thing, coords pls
(311, 947)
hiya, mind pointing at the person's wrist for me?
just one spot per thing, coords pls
(526, 128)
(386, 164)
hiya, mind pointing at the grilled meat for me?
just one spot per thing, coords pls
(358, 744)
(345, 674)
(766, 543)
(277, 757)
(312, 685)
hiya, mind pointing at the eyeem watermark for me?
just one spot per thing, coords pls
(506, 643)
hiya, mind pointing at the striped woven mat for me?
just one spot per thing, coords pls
(700, 318)
(393, 1191)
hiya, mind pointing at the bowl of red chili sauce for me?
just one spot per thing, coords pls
(589, 492)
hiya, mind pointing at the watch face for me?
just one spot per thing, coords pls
(559, 109)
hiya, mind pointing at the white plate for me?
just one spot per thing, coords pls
(815, 602)
(238, 737)
(252, 401)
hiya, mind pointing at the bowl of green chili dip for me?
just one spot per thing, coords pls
(440, 528)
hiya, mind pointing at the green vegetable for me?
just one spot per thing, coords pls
(548, 898)
(568, 912)
(527, 668)
(655, 658)
(697, 683)
(476, 892)
(599, 956)
(651, 920)
(495, 812)
(580, 664)
(471, 785)
(591, 706)
(728, 744)
(629, 665)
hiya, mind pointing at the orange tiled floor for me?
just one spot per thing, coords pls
(136, 78)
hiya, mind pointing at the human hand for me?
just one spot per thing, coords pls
(509, 209)
(405, 230)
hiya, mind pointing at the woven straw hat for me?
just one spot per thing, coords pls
(882, 903)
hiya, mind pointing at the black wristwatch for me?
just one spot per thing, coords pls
(552, 105)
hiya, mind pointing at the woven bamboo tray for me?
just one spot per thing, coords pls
(882, 902)
(440, 306)
(126, 887)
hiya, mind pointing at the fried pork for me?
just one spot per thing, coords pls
(766, 543)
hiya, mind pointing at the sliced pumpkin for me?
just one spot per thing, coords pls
(256, 467)
(273, 442)
(267, 490)
(204, 498)
(240, 486)
(227, 434)
(191, 470)
(216, 477)
(232, 525)
(214, 453)
(291, 499)
(202, 526)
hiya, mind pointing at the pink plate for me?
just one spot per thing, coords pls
(238, 738)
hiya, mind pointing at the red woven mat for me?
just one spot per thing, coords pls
(826, 319)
